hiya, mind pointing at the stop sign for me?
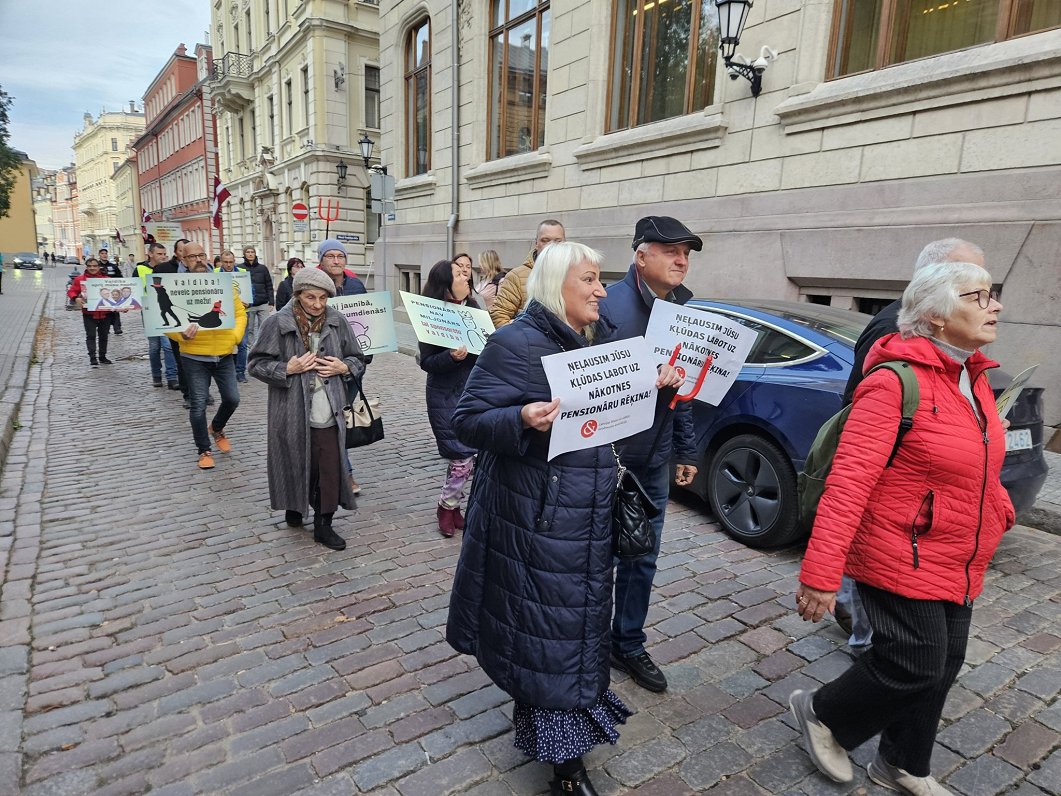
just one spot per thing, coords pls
(300, 211)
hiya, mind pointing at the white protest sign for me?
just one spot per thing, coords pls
(112, 294)
(172, 301)
(242, 280)
(701, 334)
(606, 392)
(446, 324)
(371, 317)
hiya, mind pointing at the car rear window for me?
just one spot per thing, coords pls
(839, 324)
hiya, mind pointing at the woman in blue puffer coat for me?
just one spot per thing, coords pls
(532, 594)
(447, 371)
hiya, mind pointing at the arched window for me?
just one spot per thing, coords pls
(418, 99)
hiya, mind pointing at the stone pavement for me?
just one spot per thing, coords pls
(20, 307)
(163, 631)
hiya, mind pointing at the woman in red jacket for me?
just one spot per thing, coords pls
(915, 535)
(97, 324)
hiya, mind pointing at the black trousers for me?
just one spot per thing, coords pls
(324, 469)
(898, 687)
(96, 329)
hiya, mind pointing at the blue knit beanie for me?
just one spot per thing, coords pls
(330, 245)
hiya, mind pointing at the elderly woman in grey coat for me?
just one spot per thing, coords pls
(307, 354)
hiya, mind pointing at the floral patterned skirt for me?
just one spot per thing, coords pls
(553, 736)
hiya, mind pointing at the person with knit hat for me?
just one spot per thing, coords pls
(332, 256)
(307, 354)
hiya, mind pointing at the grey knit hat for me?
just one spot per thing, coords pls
(313, 277)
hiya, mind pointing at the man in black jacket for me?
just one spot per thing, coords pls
(262, 288)
(111, 270)
(173, 266)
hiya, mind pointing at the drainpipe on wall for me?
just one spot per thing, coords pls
(454, 203)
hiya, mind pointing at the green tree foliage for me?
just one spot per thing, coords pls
(10, 162)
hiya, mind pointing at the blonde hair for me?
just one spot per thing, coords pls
(546, 282)
(489, 265)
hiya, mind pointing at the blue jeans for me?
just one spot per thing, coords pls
(241, 358)
(633, 578)
(197, 374)
(158, 348)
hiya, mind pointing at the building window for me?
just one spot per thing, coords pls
(242, 140)
(519, 65)
(663, 60)
(305, 96)
(114, 145)
(272, 120)
(409, 279)
(872, 34)
(418, 99)
(372, 97)
(287, 104)
(247, 27)
(268, 18)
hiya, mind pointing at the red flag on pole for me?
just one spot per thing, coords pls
(221, 193)
(118, 236)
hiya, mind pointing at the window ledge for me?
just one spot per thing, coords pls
(420, 185)
(1016, 66)
(513, 168)
(659, 139)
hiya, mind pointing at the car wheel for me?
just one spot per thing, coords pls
(752, 487)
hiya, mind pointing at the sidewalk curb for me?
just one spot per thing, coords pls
(1044, 516)
(11, 398)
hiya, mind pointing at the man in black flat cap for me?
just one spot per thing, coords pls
(661, 261)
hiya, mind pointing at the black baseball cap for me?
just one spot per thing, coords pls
(664, 229)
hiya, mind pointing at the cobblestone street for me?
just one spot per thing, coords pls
(163, 631)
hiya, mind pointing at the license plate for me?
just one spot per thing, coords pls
(1019, 439)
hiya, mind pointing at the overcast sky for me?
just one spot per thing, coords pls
(61, 58)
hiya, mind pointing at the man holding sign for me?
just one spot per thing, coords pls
(661, 261)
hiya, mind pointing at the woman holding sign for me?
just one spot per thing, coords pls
(307, 353)
(447, 371)
(532, 594)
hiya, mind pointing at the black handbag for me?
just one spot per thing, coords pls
(632, 535)
(364, 425)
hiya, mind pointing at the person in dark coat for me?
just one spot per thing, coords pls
(447, 371)
(283, 290)
(307, 354)
(262, 298)
(662, 246)
(532, 591)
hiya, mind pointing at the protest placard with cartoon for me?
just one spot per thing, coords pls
(173, 301)
(112, 294)
(371, 317)
(449, 325)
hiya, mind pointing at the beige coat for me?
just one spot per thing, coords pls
(512, 293)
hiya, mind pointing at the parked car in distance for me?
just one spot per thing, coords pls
(71, 260)
(756, 441)
(27, 260)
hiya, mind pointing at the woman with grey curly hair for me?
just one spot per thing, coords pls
(914, 520)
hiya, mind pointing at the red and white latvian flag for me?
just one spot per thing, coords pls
(220, 195)
(118, 236)
(144, 221)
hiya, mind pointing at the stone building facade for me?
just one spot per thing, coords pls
(66, 215)
(863, 145)
(176, 156)
(18, 227)
(99, 149)
(295, 86)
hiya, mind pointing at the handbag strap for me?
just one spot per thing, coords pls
(620, 467)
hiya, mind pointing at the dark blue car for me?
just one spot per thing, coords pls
(757, 439)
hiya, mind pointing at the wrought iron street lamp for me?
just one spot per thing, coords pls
(340, 169)
(732, 16)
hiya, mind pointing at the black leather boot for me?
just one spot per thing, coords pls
(571, 778)
(293, 518)
(323, 533)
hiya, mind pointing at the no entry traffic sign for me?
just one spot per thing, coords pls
(299, 211)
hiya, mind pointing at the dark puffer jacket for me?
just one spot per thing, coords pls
(446, 378)
(261, 282)
(628, 305)
(532, 594)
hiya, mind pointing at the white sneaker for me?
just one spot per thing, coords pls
(888, 776)
(828, 755)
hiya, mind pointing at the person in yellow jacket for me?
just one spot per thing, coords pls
(209, 354)
(512, 292)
